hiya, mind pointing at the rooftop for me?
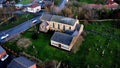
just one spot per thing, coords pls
(20, 62)
(62, 38)
(59, 19)
(64, 20)
(34, 5)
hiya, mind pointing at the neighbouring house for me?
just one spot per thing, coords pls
(34, 8)
(21, 62)
(58, 23)
(3, 54)
(66, 41)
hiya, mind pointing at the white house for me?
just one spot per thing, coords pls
(34, 8)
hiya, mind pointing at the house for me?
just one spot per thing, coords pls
(3, 54)
(21, 62)
(34, 8)
(66, 41)
(58, 23)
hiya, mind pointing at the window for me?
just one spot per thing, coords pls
(64, 27)
(59, 45)
(53, 25)
(70, 28)
(58, 26)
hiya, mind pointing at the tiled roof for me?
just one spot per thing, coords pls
(34, 5)
(64, 20)
(62, 38)
(1, 50)
(20, 62)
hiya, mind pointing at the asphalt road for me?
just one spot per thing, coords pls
(25, 26)
(19, 29)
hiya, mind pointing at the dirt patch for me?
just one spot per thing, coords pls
(24, 42)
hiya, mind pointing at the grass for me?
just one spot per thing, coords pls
(25, 1)
(88, 55)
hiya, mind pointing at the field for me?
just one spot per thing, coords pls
(101, 48)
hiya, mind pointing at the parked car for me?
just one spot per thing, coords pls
(4, 57)
(5, 36)
(3, 54)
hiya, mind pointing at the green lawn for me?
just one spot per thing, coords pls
(25, 2)
(90, 53)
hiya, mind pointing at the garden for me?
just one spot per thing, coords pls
(101, 47)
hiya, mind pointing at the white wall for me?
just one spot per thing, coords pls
(34, 10)
(63, 46)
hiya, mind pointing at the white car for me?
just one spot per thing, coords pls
(4, 57)
(3, 37)
(34, 21)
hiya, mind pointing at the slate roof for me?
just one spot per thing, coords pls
(62, 38)
(64, 20)
(1, 50)
(20, 62)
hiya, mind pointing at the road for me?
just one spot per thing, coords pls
(19, 29)
(24, 26)
(62, 4)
